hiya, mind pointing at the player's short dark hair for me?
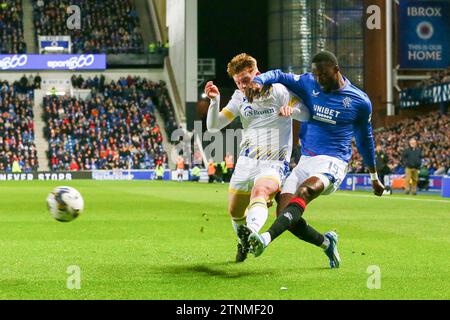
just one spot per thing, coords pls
(325, 56)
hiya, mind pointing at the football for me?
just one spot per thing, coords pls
(65, 203)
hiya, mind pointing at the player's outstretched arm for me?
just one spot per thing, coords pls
(217, 120)
(291, 81)
(366, 147)
(275, 76)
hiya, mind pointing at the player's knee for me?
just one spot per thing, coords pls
(307, 193)
(261, 192)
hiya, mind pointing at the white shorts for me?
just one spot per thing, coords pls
(331, 171)
(249, 170)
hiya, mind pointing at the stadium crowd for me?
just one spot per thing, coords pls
(438, 77)
(115, 128)
(11, 27)
(106, 26)
(156, 93)
(430, 131)
(17, 149)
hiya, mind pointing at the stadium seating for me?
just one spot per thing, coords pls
(115, 128)
(156, 91)
(431, 132)
(435, 78)
(17, 127)
(11, 27)
(108, 26)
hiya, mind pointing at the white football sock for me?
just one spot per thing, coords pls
(257, 214)
(267, 238)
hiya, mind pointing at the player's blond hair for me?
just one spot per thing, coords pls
(241, 62)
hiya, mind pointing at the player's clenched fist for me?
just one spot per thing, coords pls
(286, 111)
(211, 90)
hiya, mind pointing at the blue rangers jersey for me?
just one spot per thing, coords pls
(336, 116)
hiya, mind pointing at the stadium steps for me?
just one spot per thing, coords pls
(166, 139)
(28, 26)
(147, 31)
(40, 141)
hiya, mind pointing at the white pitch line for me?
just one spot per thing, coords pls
(391, 198)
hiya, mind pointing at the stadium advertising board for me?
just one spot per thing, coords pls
(362, 181)
(445, 187)
(54, 176)
(423, 29)
(52, 62)
(127, 175)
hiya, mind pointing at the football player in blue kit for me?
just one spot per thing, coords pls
(339, 111)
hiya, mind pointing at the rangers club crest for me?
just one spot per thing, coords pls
(347, 102)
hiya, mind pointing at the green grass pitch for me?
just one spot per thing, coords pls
(169, 240)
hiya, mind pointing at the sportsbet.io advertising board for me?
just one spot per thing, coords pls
(423, 34)
(13, 62)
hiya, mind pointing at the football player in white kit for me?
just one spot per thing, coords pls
(265, 148)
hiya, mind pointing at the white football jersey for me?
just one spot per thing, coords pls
(266, 135)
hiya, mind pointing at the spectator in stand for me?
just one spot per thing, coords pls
(152, 48)
(74, 166)
(158, 48)
(37, 81)
(16, 167)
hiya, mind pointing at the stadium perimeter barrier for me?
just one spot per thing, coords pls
(351, 182)
(362, 182)
(41, 175)
(84, 175)
(98, 175)
(446, 187)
